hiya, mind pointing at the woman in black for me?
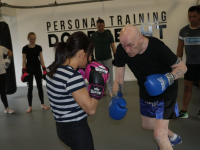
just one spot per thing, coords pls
(32, 62)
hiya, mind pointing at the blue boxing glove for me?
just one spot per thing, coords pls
(156, 84)
(117, 107)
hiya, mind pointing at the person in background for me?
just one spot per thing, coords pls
(189, 38)
(4, 63)
(104, 42)
(32, 60)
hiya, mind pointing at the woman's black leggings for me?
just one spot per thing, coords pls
(76, 135)
(34, 71)
(3, 89)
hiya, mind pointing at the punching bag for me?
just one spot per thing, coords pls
(5, 40)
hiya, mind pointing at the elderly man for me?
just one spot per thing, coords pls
(157, 69)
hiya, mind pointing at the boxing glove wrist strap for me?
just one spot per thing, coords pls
(43, 68)
(170, 78)
(96, 91)
(114, 94)
(23, 70)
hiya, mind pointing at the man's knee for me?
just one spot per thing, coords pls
(159, 135)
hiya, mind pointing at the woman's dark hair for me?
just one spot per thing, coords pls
(65, 50)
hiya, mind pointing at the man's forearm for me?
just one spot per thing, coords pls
(179, 69)
(180, 49)
(113, 48)
(177, 73)
(179, 53)
(117, 87)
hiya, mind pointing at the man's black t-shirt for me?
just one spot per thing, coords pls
(156, 59)
(32, 55)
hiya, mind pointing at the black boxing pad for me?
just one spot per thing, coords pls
(5, 40)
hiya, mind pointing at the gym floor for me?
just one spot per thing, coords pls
(37, 130)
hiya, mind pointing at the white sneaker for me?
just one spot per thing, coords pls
(8, 111)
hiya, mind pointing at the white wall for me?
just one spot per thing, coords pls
(36, 20)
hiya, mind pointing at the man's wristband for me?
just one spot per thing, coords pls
(170, 78)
